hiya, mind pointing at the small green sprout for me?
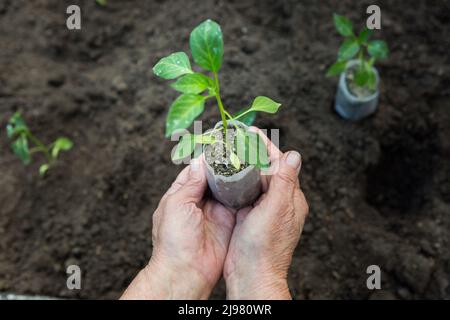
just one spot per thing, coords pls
(356, 46)
(206, 44)
(18, 131)
(101, 2)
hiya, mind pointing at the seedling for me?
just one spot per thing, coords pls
(359, 46)
(206, 44)
(18, 131)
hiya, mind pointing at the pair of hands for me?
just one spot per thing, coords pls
(196, 239)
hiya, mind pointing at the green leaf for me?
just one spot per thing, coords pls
(371, 80)
(265, 104)
(251, 149)
(361, 76)
(16, 125)
(173, 66)
(184, 148)
(378, 49)
(61, 144)
(248, 118)
(20, 148)
(192, 83)
(206, 44)
(241, 143)
(101, 2)
(183, 111)
(336, 69)
(348, 49)
(257, 150)
(235, 160)
(205, 139)
(43, 169)
(343, 25)
(364, 35)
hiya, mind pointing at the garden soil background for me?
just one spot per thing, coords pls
(378, 190)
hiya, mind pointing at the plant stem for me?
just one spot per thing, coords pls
(40, 146)
(361, 59)
(221, 108)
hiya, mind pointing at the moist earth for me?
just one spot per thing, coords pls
(378, 189)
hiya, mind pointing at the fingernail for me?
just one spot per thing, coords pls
(195, 167)
(294, 159)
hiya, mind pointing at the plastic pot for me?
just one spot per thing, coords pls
(238, 190)
(351, 107)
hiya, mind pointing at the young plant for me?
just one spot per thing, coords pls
(357, 46)
(18, 131)
(206, 44)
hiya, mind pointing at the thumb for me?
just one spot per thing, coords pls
(285, 179)
(195, 186)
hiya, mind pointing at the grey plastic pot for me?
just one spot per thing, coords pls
(351, 107)
(236, 191)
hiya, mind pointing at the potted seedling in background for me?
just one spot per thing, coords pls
(22, 137)
(234, 156)
(358, 87)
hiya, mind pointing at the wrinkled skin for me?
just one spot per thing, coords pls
(196, 239)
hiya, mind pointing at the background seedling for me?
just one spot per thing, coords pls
(18, 131)
(206, 44)
(357, 46)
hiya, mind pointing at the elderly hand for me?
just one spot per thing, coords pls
(266, 234)
(190, 241)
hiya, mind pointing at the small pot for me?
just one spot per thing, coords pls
(351, 107)
(236, 191)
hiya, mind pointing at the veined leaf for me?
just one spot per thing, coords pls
(364, 35)
(16, 125)
(192, 83)
(372, 80)
(257, 150)
(20, 148)
(235, 160)
(206, 44)
(378, 49)
(183, 111)
(248, 118)
(336, 69)
(173, 66)
(348, 49)
(265, 104)
(184, 148)
(251, 149)
(361, 76)
(343, 25)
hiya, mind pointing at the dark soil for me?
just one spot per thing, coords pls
(379, 190)
(218, 156)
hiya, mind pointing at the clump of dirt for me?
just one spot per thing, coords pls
(377, 189)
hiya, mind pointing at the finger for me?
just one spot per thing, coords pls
(194, 187)
(272, 150)
(180, 180)
(284, 181)
(241, 215)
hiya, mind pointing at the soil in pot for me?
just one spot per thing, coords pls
(354, 89)
(219, 159)
(233, 187)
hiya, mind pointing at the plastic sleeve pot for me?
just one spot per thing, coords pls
(349, 106)
(238, 190)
